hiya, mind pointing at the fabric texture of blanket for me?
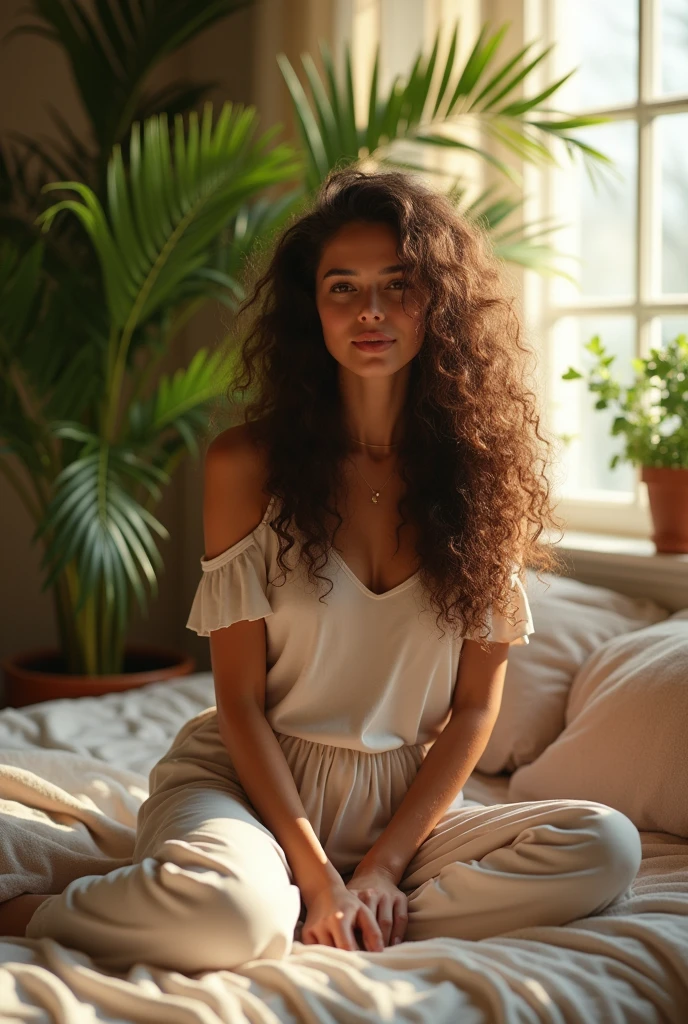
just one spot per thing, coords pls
(72, 777)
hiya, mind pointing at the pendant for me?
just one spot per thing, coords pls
(376, 495)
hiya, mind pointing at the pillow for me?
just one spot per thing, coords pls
(572, 620)
(626, 738)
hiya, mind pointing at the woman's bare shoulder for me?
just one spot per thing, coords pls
(234, 497)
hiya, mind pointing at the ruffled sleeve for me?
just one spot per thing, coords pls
(233, 587)
(501, 630)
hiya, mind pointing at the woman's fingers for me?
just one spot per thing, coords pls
(385, 917)
(400, 915)
(370, 930)
(342, 931)
(379, 924)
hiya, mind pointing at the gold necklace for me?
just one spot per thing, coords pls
(376, 494)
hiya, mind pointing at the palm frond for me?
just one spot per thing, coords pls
(19, 294)
(254, 226)
(436, 95)
(522, 244)
(20, 435)
(175, 398)
(112, 46)
(165, 210)
(97, 524)
(175, 98)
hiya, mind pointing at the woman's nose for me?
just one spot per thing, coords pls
(372, 307)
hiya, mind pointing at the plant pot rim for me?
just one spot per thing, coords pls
(178, 664)
(647, 471)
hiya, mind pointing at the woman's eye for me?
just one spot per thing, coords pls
(344, 284)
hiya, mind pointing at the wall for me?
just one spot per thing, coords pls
(239, 53)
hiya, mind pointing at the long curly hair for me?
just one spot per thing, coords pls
(473, 458)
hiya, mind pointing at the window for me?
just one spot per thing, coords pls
(628, 234)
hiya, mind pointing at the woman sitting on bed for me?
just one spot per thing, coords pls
(390, 452)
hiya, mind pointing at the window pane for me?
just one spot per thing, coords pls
(674, 52)
(672, 139)
(600, 38)
(672, 326)
(600, 219)
(587, 455)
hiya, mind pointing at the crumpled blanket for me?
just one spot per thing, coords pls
(60, 819)
(64, 814)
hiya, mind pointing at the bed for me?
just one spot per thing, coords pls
(73, 773)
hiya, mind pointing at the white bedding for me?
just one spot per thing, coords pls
(72, 775)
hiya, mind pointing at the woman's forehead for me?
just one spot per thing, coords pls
(360, 247)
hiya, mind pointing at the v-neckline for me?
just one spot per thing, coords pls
(369, 593)
(349, 572)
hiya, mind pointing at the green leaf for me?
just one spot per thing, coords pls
(523, 106)
(446, 73)
(165, 216)
(408, 113)
(97, 524)
(519, 77)
(18, 291)
(480, 58)
(307, 123)
(110, 78)
(484, 154)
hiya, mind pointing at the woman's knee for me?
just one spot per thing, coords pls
(620, 845)
(223, 921)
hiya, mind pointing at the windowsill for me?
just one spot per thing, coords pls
(629, 565)
(614, 544)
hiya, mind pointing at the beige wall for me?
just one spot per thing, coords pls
(239, 53)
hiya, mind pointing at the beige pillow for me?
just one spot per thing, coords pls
(626, 738)
(572, 620)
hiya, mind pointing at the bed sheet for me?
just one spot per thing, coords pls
(73, 773)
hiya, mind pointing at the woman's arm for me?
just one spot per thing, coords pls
(448, 763)
(231, 509)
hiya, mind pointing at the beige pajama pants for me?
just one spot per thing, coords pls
(210, 887)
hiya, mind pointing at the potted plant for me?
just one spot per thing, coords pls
(156, 214)
(97, 450)
(652, 415)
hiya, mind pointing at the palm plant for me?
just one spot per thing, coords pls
(153, 218)
(433, 106)
(96, 460)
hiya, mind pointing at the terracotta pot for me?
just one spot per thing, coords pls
(38, 675)
(667, 491)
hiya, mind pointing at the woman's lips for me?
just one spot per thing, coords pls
(374, 346)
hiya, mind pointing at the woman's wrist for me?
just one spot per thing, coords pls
(324, 876)
(370, 863)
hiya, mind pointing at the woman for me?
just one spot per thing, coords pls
(392, 442)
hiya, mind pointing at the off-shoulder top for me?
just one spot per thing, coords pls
(361, 670)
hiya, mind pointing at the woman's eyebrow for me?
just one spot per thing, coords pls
(335, 271)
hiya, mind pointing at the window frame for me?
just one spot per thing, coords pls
(609, 514)
(530, 20)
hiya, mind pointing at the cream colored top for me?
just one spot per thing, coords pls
(366, 671)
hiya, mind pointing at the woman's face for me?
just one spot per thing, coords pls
(359, 290)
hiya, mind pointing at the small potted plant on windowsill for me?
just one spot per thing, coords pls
(653, 416)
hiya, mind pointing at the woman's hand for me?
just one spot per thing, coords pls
(333, 914)
(377, 890)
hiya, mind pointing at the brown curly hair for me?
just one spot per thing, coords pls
(472, 457)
